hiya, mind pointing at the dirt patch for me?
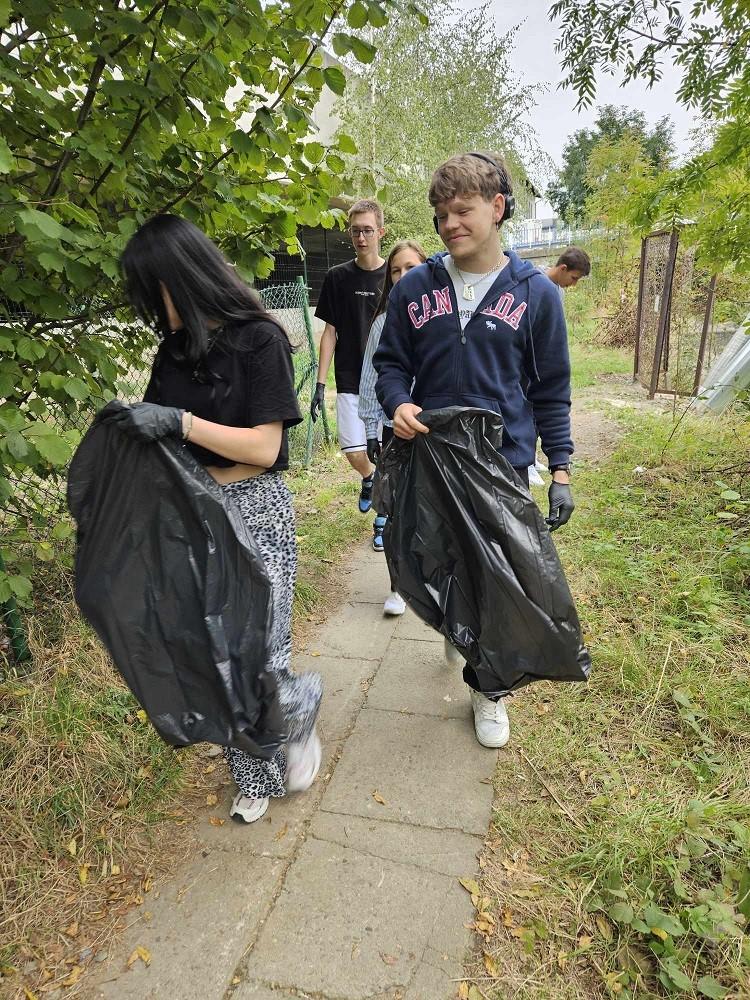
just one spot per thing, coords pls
(595, 432)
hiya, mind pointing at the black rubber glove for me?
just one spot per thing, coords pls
(148, 421)
(373, 450)
(318, 400)
(561, 505)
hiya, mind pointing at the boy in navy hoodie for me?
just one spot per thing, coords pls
(478, 326)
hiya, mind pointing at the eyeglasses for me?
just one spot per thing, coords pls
(367, 233)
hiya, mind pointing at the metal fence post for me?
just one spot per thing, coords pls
(639, 311)
(16, 633)
(314, 357)
(704, 335)
(666, 304)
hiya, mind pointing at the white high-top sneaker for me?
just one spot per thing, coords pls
(394, 604)
(490, 720)
(534, 478)
(302, 763)
(247, 810)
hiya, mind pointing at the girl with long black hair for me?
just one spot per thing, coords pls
(222, 380)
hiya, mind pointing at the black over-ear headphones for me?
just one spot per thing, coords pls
(510, 201)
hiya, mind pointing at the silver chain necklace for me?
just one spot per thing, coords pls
(468, 292)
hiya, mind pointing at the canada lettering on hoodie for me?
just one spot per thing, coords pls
(511, 357)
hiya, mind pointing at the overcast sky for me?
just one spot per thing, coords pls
(535, 60)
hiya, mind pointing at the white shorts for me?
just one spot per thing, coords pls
(351, 430)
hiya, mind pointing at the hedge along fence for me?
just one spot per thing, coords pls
(33, 516)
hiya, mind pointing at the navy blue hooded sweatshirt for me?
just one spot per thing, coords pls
(511, 358)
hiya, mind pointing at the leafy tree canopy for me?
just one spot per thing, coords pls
(432, 91)
(709, 42)
(112, 112)
(572, 187)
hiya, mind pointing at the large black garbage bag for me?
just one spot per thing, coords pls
(174, 585)
(471, 554)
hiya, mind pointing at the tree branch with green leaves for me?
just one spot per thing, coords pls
(112, 112)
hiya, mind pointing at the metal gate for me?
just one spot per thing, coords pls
(673, 318)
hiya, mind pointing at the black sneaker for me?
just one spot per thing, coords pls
(377, 534)
(365, 496)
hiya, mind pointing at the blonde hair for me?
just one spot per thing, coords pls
(468, 174)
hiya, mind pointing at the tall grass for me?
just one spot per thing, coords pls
(621, 845)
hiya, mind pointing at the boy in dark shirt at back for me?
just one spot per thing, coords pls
(347, 304)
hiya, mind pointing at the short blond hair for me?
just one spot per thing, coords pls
(468, 174)
(367, 205)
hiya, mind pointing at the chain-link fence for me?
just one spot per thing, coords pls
(289, 304)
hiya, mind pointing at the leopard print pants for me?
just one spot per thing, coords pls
(265, 504)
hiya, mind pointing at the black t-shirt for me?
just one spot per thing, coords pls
(348, 300)
(246, 379)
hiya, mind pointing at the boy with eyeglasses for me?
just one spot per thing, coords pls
(347, 304)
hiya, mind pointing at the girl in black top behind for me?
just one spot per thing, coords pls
(222, 380)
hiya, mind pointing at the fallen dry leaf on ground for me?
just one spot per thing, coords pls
(75, 975)
(282, 832)
(212, 799)
(490, 965)
(216, 821)
(143, 953)
(379, 798)
(388, 959)
(471, 885)
(604, 928)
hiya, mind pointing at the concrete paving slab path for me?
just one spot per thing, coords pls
(349, 891)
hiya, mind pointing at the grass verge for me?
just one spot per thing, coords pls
(619, 855)
(94, 808)
(589, 362)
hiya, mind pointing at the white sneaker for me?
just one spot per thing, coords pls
(245, 810)
(534, 478)
(490, 720)
(452, 656)
(540, 466)
(302, 763)
(394, 604)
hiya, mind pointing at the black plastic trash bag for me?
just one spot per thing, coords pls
(175, 587)
(471, 554)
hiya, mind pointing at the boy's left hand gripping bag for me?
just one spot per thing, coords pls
(175, 587)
